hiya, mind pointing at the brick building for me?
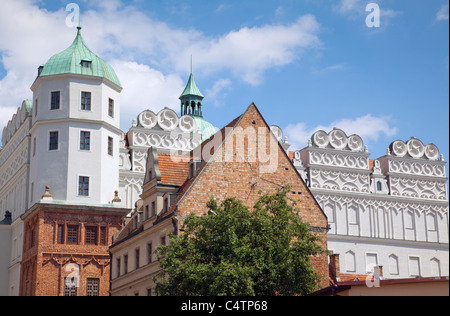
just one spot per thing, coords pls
(66, 250)
(238, 161)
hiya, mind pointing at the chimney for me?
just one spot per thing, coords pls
(335, 267)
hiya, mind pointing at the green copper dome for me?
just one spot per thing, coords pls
(204, 127)
(79, 59)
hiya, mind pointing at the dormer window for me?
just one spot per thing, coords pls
(40, 70)
(86, 63)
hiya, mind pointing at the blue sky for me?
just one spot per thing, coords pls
(307, 64)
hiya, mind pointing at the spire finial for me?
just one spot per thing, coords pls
(191, 63)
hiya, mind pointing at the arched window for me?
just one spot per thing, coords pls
(379, 186)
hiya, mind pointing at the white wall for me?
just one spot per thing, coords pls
(61, 169)
(397, 258)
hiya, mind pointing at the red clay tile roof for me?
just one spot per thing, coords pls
(174, 169)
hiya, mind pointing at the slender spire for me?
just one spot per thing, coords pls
(191, 63)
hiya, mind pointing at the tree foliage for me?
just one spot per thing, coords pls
(235, 251)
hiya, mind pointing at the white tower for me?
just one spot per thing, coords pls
(75, 130)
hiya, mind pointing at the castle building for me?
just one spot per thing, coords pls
(60, 164)
(390, 212)
(165, 131)
(70, 180)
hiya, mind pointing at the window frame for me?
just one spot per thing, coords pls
(50, 148)
(52, 108)
(69, 237)
(111, 107)
(87, 145)
(110, 146)
(91, 235)
(84, 105)
(82, 190)
(92, 287)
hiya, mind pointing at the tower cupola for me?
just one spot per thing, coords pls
(191, 99)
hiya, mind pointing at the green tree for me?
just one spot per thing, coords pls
(235, 251)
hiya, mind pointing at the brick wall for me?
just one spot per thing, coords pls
(48, 260)
(243, 180)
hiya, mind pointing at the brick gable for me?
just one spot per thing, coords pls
(248, 173)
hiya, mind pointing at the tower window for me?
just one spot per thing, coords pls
(85, 140)
(53, 141)
(111, 107)
(83, 186)
(86, 101)
(110, 146)
(55, 100)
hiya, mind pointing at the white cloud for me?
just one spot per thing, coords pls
(442, 14)
(146, 88)
(137, 44)
(349, 7)
(217, 93)
(249, 52)
(369, 127)
(329, 69)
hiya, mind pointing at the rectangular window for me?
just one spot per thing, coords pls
(70, 288)
(83, 186)
(137, 257)
(93, 287)
(125, 264)
(110, 146)
(55, 100)
(86, 101)
(153, 209)
(103, 236)
(85, 140)
(60, 234)
(53, 141)
(118, 267)
(72, 234)
(111, 107)
(34, 146)
(91, 235)
(36, 108)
